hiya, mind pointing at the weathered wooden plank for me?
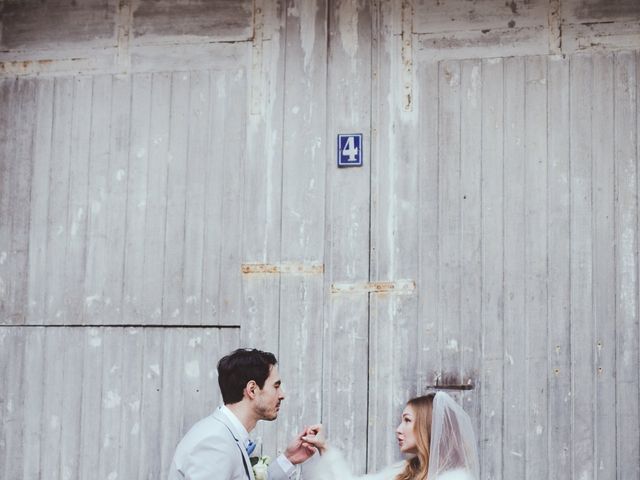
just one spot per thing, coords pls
(433, 16)
(57, 213)
(41, 25)
(471, 234)
(76, 247)
(449, 220)
(116, 201)
(155, 198)
(197, 159)
(52, 378)
(152, 392)
(428, 361)
(627, 335)
(134, 280)
(174, 253)
(12, 380)
(37, 284)
(535, 264)
(111, 407)
(514, 443)
(131, 421)
(582, 327)
(604, 264)
(491, 435)
(347, 231)
(167, 22)
(96, 303)
(8, 101)
(229, 293)
(303, 207)
(559, 270)
(33, 401)
(93, 348)
(70, 357)
(395, 183)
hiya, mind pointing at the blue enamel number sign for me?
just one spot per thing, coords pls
(350, 150)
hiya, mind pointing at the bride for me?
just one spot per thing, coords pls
(435, 433)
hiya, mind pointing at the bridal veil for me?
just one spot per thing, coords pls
(453, 445)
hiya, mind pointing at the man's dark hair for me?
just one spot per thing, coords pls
(240, 367)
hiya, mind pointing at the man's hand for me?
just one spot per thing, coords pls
(300, 450)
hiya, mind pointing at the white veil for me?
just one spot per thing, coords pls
(453, 453)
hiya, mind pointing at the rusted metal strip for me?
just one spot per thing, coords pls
(398, 286)
(286, 268)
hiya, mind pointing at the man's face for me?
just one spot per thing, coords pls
(268, 398)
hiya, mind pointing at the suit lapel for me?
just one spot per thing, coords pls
(222, 418)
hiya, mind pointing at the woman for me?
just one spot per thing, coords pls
(434, 431)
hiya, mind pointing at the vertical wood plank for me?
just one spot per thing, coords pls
(428, 335)
(131, 422)
(76, 257)
(38, 229)
(53, 403)
(394, 246)
(627, 358)
(152, 392)
(535, 234)
(116, 201)
(70, 357)
(13, 415)
(197, 156)
(174, 253)
(471, 234)
(97, 264)
(515, 379)
(604, 265)
(559, 271)
(582, 328)
(491, 434)
(347, 234)
(34, 364)
(111, 407)
(135, 279)
(90, 433)
(57, 214)
(303, 207)
(449, 222)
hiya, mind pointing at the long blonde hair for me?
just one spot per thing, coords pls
(418, 466)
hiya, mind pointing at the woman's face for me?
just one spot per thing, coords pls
(405, 431)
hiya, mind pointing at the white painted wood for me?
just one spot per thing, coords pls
(303, 206)
(626, 70)
(491, 384)
(559, 269)
(604, 263)
(582, 327)
(470, 354)
(515, 360)
(347, 232)
(535, 264)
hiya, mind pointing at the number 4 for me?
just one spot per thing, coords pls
(350, 150)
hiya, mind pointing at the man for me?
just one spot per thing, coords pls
(218, 446)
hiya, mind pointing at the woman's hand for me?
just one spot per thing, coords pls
(313, 436)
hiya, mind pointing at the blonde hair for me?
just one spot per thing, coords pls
(418, 466)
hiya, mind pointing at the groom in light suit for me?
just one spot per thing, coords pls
(218, 446)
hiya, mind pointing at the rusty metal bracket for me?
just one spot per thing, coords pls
(291, 268)
(398, 286)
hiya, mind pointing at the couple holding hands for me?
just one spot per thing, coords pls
(434, 432)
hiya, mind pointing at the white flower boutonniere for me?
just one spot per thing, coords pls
(260, 465)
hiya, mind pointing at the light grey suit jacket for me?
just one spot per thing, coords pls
(211, 451)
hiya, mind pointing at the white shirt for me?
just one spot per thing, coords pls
(288, 467)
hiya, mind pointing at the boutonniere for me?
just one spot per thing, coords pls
(259, 466)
